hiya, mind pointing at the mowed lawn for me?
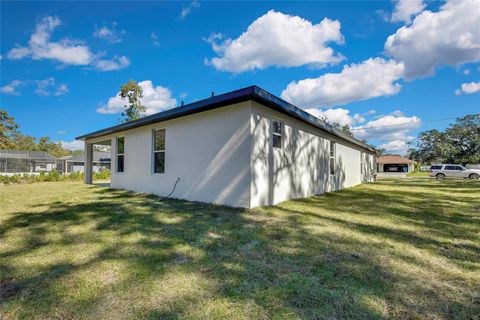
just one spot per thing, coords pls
(403, 249)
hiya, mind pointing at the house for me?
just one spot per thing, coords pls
(101, 161)
(246, 148)
(33, 162)
(394, 164)
(22, 161)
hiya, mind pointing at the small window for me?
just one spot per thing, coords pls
(332, 157)
(362, 163)
(159, 151)
(120, 154)
(277, 130)
(454, 168)
(436, 167)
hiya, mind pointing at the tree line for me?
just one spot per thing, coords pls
(12, 139)
(458, 144)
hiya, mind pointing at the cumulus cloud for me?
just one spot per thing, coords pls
(468, 88)
(374, 77)
(155, 99)
(117, 63)
(11, 88)
(111, 34)
(396, 146)
(338, 115)
(388, 128)
(73, 145)
(188, 9)
(48, 87)
(450, 36)
(277, 39)
(66, 51)
(405, 9)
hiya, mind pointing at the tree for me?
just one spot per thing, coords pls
(459, 143)
(8, 128)
(343, 128)
(131, 93)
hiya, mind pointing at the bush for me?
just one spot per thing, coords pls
(52, 176)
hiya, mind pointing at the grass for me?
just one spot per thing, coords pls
(418, 174)
(403, 249)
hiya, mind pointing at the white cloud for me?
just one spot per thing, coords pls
(11, 88)
(66, 51)
(371, 78)
(339, 115)
(388, 128)
(468, 88)
(450, 36)
(155, 99)
(117, 63)
(277, 39)
(466, 72)
(154, 37)
(48, 87)
(188, 9)
(396, 146)
(405, 9)
(73, 145)
(111, 34)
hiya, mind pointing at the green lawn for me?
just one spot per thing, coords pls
(404, 249)
(418, 174)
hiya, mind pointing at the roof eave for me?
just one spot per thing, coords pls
(254, 93)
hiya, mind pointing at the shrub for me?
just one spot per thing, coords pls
(52, 176)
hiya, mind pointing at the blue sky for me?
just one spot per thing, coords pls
(63, 63)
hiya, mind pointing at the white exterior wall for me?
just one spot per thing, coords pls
(301, 168)
(208, 151)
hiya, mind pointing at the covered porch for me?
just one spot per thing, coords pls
(89, 158)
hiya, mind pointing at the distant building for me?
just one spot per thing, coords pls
(21, 161)
(394, 164)
(101, 161)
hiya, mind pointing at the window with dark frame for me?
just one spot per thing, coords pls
(159, 151)
(362, 163)
(120, 154)
(277, 131)
(332, 158)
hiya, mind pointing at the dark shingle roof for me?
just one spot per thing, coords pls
(249, 93)
(97, 157)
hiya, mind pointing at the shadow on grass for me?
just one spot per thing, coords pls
(256, 264)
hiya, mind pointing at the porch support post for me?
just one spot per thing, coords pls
(88, 163)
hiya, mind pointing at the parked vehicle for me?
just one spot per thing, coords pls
(442, 171)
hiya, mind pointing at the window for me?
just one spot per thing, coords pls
(362, 163)
(277, 130)
(159, 151)
(454, 168)
(436, 167)
(332, 157)
(120, 154)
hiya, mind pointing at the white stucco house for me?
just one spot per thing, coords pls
(245, 148)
